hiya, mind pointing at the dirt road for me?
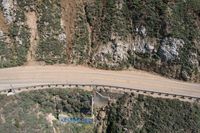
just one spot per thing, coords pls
(37, 75)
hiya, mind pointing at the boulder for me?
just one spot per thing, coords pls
(144, 45)
(169, 49)
(8, 10)
(185, 75)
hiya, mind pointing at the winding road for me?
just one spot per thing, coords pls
(40, 75)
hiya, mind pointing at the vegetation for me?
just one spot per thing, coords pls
(110, 18)
(81, 38)
(29, 111)
(51, 48)
(143, 114)
(5, 55)
(161, 18)
(14, 52)
(38, 111)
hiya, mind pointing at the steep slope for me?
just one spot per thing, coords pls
(141, 114)
(153, 35)
(39, 111)
(68, 22)
(3, 25)
(32, 24)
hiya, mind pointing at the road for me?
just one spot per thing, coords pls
(37, 75)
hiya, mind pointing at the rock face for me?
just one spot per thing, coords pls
(144, 45)
(113, 53)
(117, 51)
(9, 9)
(169, 49)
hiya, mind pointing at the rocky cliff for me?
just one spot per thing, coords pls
(161, 36)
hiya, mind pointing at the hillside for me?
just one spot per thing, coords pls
(142, 114)
(39, 111)
(161, 36)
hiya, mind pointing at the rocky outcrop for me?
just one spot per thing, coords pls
(118, 50)
(113, 53)
(144, 45)
(9, 10)
(170, 48)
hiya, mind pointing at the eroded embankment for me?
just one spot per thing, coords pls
(32, 24)
(68, 20)
(3, 25)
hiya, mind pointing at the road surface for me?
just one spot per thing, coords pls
(39, 75)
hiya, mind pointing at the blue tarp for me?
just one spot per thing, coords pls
(76, 120)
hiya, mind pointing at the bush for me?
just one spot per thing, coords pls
(147, 114)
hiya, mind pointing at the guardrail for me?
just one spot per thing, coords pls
(102, 87)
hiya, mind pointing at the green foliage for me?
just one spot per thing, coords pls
(110, 19)
(66, 100)
(15, 52)
(50, 48)
(81, 42)
(21, 45)
(161, 19)
(51, 51)
(153, 115)
(5, 55)
(25, 3)
(28, 111)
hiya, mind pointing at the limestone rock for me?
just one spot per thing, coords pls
(169, 49)
(185, 75)
(8, 10)
(193, 59)
(144, 45)
(142, 31)
(1, 34)
(115, 51)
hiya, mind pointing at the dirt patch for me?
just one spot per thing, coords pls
(88, 88)
(32, 24)
(68, 21)
(3, 25)
(2, 119)
(50, 118)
